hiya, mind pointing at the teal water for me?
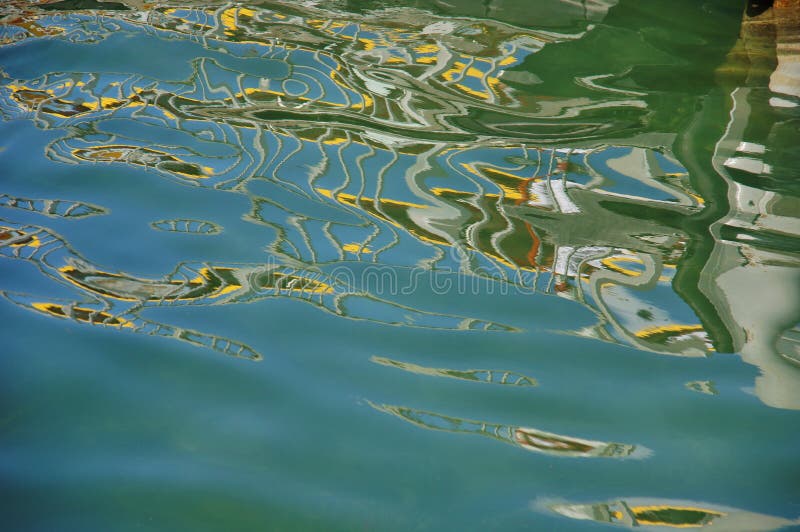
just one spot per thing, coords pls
(400, 265)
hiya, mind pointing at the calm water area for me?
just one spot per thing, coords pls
(400, 265)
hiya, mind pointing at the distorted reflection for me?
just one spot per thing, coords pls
(704, 387)
(182, 225)
(522, 214)
(490, 376)
(54, 208)
(527, 438)
(428, 142)
(120, 297)
(752, 274)
(112, 308)
(653, 513)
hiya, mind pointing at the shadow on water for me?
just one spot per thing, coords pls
(585, 151)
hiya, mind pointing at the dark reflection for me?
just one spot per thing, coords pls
(456, 144)
(527, 438)
(83, 4)
(669, 514)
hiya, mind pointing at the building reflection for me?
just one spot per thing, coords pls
(752, 275)
(355, 140)
(658, 513)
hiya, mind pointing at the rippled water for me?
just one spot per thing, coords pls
(400, 265)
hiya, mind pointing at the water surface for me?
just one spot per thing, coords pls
(400, 265)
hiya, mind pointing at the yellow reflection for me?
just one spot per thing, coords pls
(82, 314)
(356, 248)
(632, 513)
(663, 333)
(17, 238)
(144, 157)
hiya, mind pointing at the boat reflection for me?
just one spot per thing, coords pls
(658, 513)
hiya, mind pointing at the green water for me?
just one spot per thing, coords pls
(399, 266)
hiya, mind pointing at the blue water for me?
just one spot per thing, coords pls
(399, 266)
